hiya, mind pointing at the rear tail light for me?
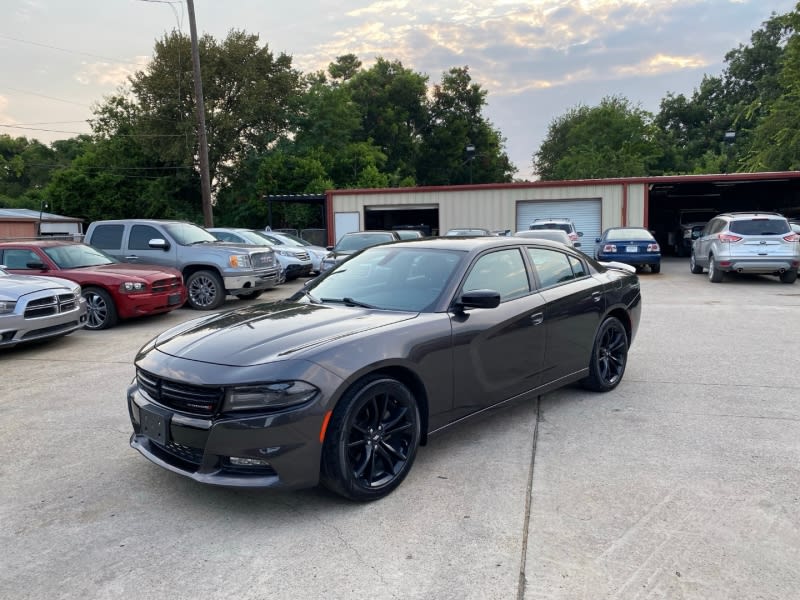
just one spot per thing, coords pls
(610, 248)
(653, 248)
(792, 237)
(729, 237)
(573, 236)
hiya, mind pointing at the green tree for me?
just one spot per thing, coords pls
(613, 139)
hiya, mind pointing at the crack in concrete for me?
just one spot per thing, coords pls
(528, 500)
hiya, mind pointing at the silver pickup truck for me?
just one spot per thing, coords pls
(211, 269)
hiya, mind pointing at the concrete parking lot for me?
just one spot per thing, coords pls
(684, 482)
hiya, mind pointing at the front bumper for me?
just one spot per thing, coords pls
(16, 328)
(286, 445)
(137, 305)
(257, 280)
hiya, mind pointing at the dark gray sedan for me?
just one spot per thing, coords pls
(343, 382)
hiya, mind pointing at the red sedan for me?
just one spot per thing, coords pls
(113, 290)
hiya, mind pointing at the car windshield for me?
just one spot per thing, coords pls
(760, 226)
(408, 234)
(389, 278)
(187, 234)
(290, 240)
(253, 237)
(269, 238)
(357, 241)
(75, 256)
(628, 234)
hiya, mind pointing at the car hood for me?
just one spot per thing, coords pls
(261, 333)
(126, 270)
(14, 286)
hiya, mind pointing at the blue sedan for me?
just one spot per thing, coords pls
(631, 245)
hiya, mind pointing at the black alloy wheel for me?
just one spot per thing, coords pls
(101, 313)
(372, 439)
(205, 290)
(609, 356)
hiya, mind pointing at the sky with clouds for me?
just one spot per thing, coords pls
(536, 58)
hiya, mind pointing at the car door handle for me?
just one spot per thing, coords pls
(537, 318)
(596, 296)
(131, 257)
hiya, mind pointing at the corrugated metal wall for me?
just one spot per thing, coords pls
(636, 193)
(494, 208)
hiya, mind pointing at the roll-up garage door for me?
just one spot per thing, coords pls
(584, 213)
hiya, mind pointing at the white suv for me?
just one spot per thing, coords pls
(747, 242)
(563, 224)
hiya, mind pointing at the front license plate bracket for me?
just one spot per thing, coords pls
(154, 424)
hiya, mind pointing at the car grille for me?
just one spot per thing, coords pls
(303, 256)
(262, 260)
(167, 285)
(50, 305)
(190, 399)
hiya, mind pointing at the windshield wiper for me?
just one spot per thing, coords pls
(349, 302)
(311, 297)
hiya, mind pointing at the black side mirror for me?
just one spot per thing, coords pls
(478, 299)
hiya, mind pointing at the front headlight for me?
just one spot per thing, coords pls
(284, 253)
(240, 261)
(6, 307)
(687, 234)
(268, 395)
(77, 291)
(131, 287)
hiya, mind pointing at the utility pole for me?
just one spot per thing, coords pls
(205, 177)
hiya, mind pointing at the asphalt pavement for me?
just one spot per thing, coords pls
(681, 483)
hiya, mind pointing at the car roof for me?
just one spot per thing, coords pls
(751, 214)
(39, 243)
(141, 221)
(476, 244)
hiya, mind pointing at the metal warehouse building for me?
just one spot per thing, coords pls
(594, 205)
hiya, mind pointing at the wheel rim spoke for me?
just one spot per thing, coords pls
(380, 438)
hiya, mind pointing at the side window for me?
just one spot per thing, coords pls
(502, 271)
(141, 236)
(18, 258)
(715, 226)
(552, 266)
(107, 237)
(578, 268)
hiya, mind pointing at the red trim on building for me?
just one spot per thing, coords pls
(624, 204)
(329, 218)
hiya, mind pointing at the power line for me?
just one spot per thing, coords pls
(8, 87)
(15, 126)
(119, 60)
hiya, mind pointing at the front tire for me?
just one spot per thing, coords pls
(101, 312)
(372, 439)
(205, 290)
(609, 356)
(250, 295)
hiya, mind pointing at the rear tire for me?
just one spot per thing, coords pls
(655, 268)
(372, 439)
(788, 276)
(695, 268)
(609, 356)
(714, 274)
(205, 290)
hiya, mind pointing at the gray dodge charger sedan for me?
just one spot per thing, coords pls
(344, 381)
